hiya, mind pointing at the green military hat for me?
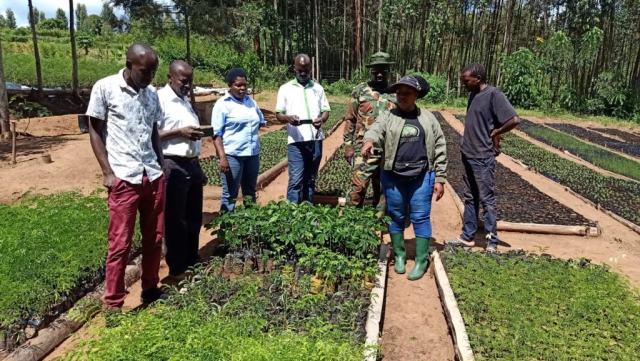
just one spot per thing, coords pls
(380, 58)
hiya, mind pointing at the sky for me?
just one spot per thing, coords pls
(21, 8)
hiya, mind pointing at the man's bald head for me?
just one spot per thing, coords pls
(180, 77)
(302, 68)
(142, 63)
(179, 66)
(302, 59)
(141, 52)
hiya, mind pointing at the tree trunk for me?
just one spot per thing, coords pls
(379, 33)
(74, 53)
(5, 130)
(187, 29)
(635, 75)
(285, 41)
(344, 42)
(35, 51)
(507, 35)
(358, 45)
(274, 35)
(317, 32)
(423, 34)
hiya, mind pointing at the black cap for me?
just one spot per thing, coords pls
(416, 82)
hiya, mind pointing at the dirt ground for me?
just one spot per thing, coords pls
(414, 327)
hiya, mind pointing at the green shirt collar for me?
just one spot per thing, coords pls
(309, 84)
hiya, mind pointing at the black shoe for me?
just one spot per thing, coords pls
(152, 295)
(113, 317)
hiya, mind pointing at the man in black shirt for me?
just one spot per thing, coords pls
(489, 114)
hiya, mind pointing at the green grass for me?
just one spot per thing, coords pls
(519, 307)
(50, 245)
(595, 155)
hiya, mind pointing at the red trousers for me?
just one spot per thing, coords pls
(125, 200)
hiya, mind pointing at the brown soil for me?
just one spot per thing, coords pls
(585, 124)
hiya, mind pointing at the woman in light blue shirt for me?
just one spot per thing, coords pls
(236, 119)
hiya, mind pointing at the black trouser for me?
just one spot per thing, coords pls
(183, 213)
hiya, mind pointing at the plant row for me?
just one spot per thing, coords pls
(334, 179)
(593, 154)
(273, 148)
(328, 242)
(53, 252)
(275, 314)
(245, 319)
(518, 201)
(625, 136)
(581, 311)
(619, 196)
(631, 148)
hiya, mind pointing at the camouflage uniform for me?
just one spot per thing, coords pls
(365, 105)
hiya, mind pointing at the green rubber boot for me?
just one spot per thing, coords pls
(397, 239)
(422, 259)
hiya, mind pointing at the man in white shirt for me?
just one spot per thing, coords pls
(181, 145)
(303, 104)
(123, 130)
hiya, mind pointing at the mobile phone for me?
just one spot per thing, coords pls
(207, 130)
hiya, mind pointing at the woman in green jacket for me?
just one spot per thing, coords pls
(415, 164)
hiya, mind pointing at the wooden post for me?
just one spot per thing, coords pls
(13, 145)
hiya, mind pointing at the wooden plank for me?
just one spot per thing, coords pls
(634, 227)
(531, 227)
(374, 316)
(454, 318)
(268, 176)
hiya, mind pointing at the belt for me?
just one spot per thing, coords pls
(179, 159)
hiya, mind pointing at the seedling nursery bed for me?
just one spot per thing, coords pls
(334, 181)
(288, 282)
(53, 253)
(617, 196)
(626, 137)
(628, 147)
(593, 154)
(518, 200)
(519, 306)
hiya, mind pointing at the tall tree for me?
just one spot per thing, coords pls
(81, 15)
(3, 21)
(34, 16)
(41, 17)
(108, 16)
(36, 53)
(74, 53)
(62, 17)
(11, 19)
(4, 101)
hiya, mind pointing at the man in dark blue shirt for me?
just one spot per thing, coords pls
(489, 114)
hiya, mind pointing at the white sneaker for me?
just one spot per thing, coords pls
(459, 242)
